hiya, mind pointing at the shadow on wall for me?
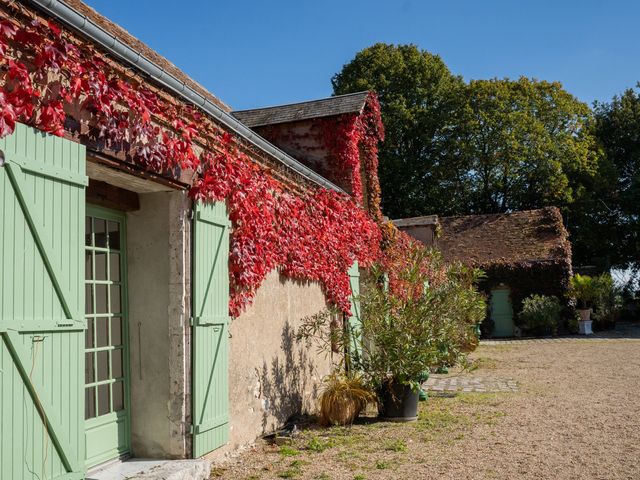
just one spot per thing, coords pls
(284, 383)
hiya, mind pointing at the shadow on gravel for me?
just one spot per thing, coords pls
(622, 330)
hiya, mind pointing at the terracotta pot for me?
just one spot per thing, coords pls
(585, 314)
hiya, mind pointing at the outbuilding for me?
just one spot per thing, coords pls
(522, 253)
(157, 254)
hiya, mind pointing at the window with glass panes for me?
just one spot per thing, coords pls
(105, 342)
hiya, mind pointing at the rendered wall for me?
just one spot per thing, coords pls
(271, 375)
(423, 233)
(159, 266)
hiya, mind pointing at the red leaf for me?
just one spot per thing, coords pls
(7, 29)
(7, 116)
(52, 118)
(55, 29)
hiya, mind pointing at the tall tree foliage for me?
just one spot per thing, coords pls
(523, 144)
(480, 147)
(420, 99)
(613, 208)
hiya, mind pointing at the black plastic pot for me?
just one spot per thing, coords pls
(399, 403)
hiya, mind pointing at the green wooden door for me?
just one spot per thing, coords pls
(354, 325)
(106, 340)
(502, 312)
(210, 343)
(42, 200)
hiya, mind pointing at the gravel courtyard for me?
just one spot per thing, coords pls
(557, 409)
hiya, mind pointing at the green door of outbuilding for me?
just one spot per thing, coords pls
(210, 342)
(502, 312)
(42, 200)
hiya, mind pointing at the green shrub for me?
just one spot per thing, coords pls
(401, 336)
(607, 301)
(572, 322)
(540, 314)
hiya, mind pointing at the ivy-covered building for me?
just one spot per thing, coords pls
(158, 254)
(522, 253)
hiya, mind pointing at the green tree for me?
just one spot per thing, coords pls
(525, 143)
(612, 210)
(420, 100)
(484, 146)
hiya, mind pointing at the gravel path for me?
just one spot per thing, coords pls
(575, 415)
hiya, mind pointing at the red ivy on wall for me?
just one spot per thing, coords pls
(399, 250)
(340, 147)
(351, 141)
(48, 78)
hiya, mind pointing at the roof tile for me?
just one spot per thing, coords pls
(530, 236)
(325, 107)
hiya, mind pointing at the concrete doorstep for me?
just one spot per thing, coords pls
(136, 468)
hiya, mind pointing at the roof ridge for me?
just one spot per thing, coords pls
(364, 92)
(500, 213)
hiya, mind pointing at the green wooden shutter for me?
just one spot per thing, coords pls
(210, 291)
(42, 201)
(354, 324)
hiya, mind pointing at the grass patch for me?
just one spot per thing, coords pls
(294, 469)
(481, 398)
(440, 417)
(397, 445)
(319, 445)
(288, 451)
(363, 449)
(447, 420)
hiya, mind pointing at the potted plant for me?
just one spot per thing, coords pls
(607, 302)
(344, 396)
(411, 329)
(406, 328)
(583, 290)
(345, 393)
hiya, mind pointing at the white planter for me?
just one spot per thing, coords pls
(584, 324)
(584, 327)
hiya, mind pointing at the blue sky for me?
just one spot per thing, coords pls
(258, 53)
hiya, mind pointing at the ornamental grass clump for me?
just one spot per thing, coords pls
(343, 398)
(345, 393)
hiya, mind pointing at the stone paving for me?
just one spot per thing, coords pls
(467, 383)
